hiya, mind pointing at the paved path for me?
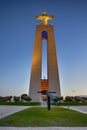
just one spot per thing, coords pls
(43, 128)
(82, 109)
(8, 110)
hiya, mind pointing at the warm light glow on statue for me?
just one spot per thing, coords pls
(52, 82)
(44, 17)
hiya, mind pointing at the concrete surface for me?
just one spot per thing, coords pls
(52, 69)
(82, 109)
(43, 128)
(8, 110)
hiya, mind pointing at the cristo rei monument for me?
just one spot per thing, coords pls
(52, 83)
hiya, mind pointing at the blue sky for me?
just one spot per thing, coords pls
(17, 32)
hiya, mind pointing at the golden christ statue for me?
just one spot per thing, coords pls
(44, 17)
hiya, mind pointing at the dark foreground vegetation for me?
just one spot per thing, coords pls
(69, 103)
(22, 98)
(25, 100)
(21, 103)
(38, 103)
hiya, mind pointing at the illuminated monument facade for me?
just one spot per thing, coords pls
(52, 83)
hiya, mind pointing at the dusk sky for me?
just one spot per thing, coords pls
(17, 33)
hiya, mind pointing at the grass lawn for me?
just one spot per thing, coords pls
(40, 116)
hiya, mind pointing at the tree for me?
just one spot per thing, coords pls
(16, 99)
(8, 98)
(59, 98)
(69, 99)
(0, 98)
(25, 97)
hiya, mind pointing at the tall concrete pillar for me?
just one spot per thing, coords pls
(35, 79)
(52, 66)
(53, 74)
